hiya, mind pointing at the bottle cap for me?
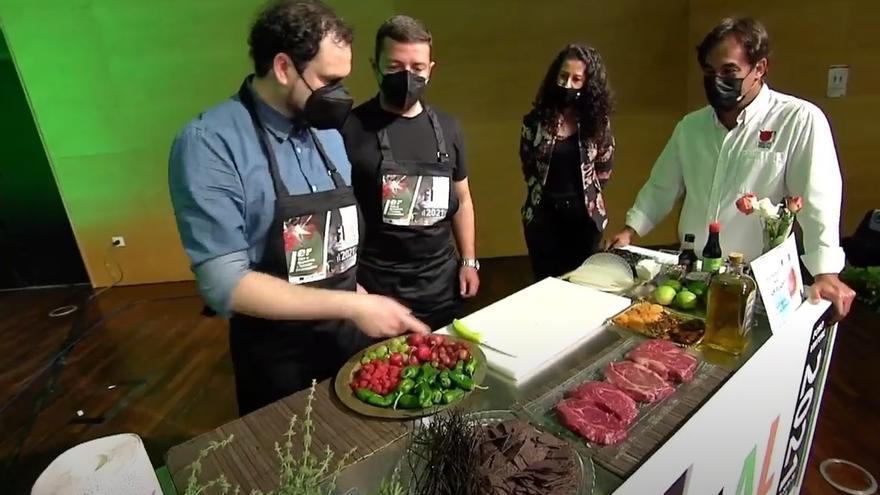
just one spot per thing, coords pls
(736, 258)
(715, 227)
(689, 238)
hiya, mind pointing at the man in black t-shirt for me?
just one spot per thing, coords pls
(410, 180)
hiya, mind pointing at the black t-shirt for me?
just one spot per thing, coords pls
(412, 139)
(564, 177)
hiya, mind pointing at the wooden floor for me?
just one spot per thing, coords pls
(143, 359)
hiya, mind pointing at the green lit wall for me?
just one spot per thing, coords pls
(110, 83)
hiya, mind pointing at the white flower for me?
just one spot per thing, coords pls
(766, 209)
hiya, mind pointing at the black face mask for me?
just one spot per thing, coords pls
(724, 93)
(327, 107)
(562, 97)
(402, 89)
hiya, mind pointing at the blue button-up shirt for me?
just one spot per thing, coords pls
(222, 192)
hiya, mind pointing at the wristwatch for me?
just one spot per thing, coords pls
(471, 262)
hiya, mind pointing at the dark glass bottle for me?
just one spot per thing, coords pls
(712, 257)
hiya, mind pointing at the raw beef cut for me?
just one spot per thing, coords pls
(609, 398)
(585, 418)
(666, 359)
(638, 382)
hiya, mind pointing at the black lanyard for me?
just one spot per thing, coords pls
(442, 155)
(247, 98)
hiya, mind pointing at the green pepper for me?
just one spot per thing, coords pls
(410, 372)
(408, 401)
(426, 395)
(364, 394)
(451, 396)
(428, 373)
(437, 397)
(444, 379)
(375, 399)
(471, 367)
(462, 381)
(405, 386)
(459, 367)
(465, 332)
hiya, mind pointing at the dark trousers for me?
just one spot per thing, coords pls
(560, 237)
(441, 317)
(274, 360)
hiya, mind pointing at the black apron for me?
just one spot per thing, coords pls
(408, 253)
(313, 241)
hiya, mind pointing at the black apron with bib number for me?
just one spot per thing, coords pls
(313, 240)
(408, 254)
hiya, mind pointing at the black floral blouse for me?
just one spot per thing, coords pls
(536, 147)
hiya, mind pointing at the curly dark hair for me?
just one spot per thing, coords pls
(596, 103)
(748, 31)
(294, 27)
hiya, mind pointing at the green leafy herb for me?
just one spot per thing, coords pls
(308, 475)
(866, 283)
(393, 486)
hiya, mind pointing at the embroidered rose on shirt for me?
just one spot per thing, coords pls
(765, 139)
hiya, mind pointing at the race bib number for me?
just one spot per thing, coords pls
(321, 245)
(414, 199)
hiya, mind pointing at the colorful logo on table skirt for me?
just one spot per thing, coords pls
(747, 484)
(802, 423)
(765, 139)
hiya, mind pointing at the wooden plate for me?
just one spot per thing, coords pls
(342, 385)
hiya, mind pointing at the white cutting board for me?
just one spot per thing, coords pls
(540, 324)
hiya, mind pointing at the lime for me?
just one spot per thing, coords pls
(664, 295)
(675, 284)
(698, 286)
(697, 291)
(686, 300)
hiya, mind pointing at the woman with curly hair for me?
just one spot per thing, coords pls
(566, 148)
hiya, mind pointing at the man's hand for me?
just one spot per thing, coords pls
(361, 290)
(469, 281)
(623, 238)
(829, 287)
(383, 317)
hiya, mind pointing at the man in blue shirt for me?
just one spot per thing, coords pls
(261, 188)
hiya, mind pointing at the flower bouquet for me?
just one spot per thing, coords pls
(776, 219)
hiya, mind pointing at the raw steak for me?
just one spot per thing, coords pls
(609, 398)
(638, 382)
(583, 417)
(666, 359)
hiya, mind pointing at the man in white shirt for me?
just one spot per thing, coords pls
(750, 139)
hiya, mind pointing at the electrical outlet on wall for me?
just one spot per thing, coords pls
(117, 241)
(838, 76)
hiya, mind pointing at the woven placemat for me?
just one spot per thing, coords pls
(251, 461)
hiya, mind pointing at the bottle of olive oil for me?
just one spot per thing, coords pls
(730, 307)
